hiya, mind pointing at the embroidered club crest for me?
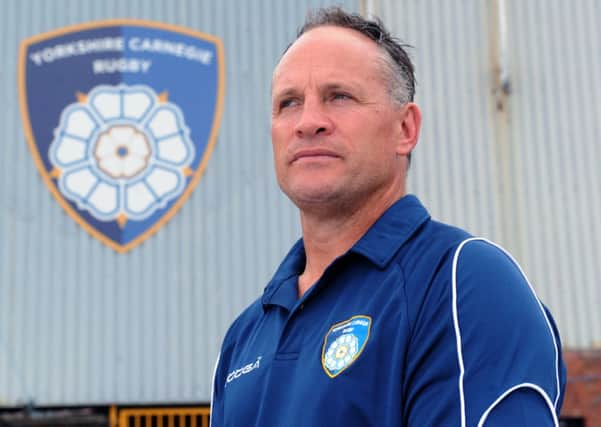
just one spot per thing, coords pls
(343, 344)
(121, 118)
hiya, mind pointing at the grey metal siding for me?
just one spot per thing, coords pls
(525, 175)
(81, 324)
(555, 110)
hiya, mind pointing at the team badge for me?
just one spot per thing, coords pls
(121, 118)
(343, 344)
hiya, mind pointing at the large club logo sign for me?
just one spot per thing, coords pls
(121, 117)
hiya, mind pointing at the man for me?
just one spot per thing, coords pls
(378, 316)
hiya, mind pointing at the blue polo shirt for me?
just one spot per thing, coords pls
(418, 324)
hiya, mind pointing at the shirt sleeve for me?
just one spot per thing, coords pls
(484, 350)
(216, 418)
(523, 407)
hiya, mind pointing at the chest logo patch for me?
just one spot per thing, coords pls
(344, 343)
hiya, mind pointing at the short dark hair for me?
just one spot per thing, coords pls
(400, 69)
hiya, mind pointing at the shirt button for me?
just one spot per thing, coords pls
(302, 306)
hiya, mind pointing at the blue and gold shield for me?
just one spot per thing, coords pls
(344, 343)
(121, 117)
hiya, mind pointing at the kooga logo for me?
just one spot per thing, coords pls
(244, 370)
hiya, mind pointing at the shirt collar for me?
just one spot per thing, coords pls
(383, 240)
(282, 288)
(379, 245)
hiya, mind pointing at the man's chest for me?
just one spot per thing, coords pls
(324, 361)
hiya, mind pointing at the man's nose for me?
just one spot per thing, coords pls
(313, 121)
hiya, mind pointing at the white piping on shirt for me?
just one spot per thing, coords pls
(213, 388)
(514, 388)
(458, 331)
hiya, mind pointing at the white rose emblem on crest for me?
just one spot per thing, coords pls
(342, 352)
(121, 152)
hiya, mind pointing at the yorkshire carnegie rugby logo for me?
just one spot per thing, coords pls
(344, 343)
(121, 118)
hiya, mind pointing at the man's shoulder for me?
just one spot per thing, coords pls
(435, 240)
(245, 322)
(444, 234)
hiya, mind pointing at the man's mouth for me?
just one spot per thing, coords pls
(313, 154)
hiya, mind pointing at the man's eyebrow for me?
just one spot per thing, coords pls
(291, 91)
(285, 92)
(336, 86)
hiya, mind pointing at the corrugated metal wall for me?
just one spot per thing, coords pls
(555, 111)
(81, 324)
(524, 173)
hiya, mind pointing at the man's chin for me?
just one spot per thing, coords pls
(310, 196)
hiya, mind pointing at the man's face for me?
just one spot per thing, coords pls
(335, 130)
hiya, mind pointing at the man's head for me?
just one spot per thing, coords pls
(396, 64)
(343, 125)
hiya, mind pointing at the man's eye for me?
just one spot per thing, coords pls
(340, 96)
(285, 103)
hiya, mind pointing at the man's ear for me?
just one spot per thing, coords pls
(410, 118)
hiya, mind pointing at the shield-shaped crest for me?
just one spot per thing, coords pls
(344, 343)
(121, 117)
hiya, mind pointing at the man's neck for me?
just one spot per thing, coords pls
(327, 236)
